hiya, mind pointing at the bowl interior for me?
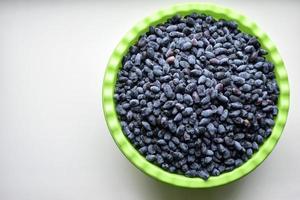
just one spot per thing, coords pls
(114, 65)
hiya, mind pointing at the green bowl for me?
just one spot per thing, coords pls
(114, 65)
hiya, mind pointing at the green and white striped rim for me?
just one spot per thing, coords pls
(114, 65)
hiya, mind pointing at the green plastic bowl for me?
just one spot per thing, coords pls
(114, 65)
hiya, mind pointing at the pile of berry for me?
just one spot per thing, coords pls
(196, 96)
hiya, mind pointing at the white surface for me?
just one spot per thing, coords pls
(54, 143)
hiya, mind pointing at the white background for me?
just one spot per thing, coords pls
(54, 143)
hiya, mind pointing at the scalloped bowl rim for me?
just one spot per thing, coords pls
(114, 65)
